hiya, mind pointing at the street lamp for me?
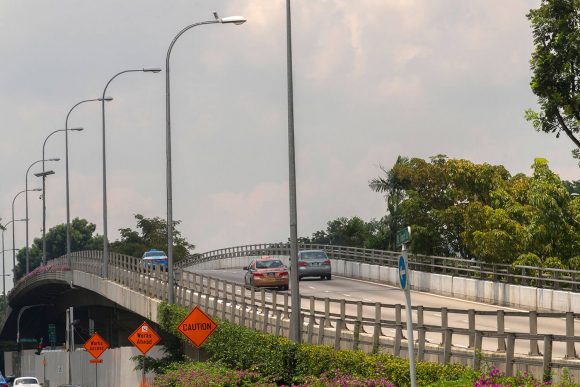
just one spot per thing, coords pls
(44, 192)
(105, 271)
(3, 250)
(295, 321)
(66, 129)
(225, 20)
(13, 239)
(26, 188)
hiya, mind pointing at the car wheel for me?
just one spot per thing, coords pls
(322, 277)
(329, 277)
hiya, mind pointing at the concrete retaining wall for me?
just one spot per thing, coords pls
(116, 369)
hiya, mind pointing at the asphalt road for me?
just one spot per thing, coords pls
(358, 290)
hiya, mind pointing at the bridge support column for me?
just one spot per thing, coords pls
(338, 333)
(509, 356)
(444, 323)
(477, 350)
(534, 349)
(547, 361)
(471, 327)
(327, 312)
(321, 326)
(447, 346)
(356, 334)
(501, 329)
(570, 350)
(378, 316)
(398, 337)
(421, 350)
(359, 316)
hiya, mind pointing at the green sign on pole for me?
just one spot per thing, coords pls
(52, 334)
(403, 235)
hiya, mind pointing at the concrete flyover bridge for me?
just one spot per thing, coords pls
(341, 323)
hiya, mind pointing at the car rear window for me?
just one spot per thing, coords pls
(269, 264)
(307, 255)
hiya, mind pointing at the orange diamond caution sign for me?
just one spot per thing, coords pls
(96, 345)
(197, 327)
(144, 338)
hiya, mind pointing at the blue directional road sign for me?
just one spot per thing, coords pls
(403, 271)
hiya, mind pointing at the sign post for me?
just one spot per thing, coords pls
(197, 326)
(144, 338)
(404, 282)
(96, 345)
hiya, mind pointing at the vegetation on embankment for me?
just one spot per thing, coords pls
(240, 356)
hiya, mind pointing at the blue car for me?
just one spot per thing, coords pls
(153, 258)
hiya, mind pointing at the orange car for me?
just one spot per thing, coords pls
(267, 272)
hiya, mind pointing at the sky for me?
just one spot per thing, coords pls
(373, 79)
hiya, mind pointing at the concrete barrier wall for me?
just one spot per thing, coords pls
(496, 293)
(116, 369)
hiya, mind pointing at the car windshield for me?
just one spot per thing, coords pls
(154, 254)
(313, 255)
(275, 263)
(26, 381)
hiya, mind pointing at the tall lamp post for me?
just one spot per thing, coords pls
(27, 218)
(105, 272)
(13, 239)
(3, 259)
(66, 129)
(44, 174)
(225, 20)
(295, 328)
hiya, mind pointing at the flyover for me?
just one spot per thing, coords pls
(338, 322)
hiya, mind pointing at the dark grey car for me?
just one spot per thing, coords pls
(314, 263)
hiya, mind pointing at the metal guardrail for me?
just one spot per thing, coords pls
(541, 277)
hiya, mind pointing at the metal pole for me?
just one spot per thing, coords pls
(170, 274)
(26, 190)
(68, 241)
(295, 328)
(13, 238)
(3, 266)
(409, 310)
(105, 271)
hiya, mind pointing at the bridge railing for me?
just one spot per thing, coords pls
(337, 322)
(541, 277)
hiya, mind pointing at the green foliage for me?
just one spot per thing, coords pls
(459, 208)
(151, 234)
(83, 237)
(282, 361)
(556, 68)
(186, 374)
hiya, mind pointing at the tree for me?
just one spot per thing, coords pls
(82, 238)
(151, 234)
(459, 208)
(555, 65)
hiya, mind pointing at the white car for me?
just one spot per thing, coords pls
(26, 381)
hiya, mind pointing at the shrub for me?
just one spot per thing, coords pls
(192, 374)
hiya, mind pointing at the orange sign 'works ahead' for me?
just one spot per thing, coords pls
(96, 345)
(197, 326)
(144, 338)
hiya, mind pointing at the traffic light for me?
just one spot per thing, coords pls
(39, 347)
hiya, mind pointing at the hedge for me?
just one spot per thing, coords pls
(284, 362)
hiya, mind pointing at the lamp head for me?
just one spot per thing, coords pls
(77, 129)
(55, 159)
(106, 99)
(36, 189)
(233, 19)
(151, 70)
